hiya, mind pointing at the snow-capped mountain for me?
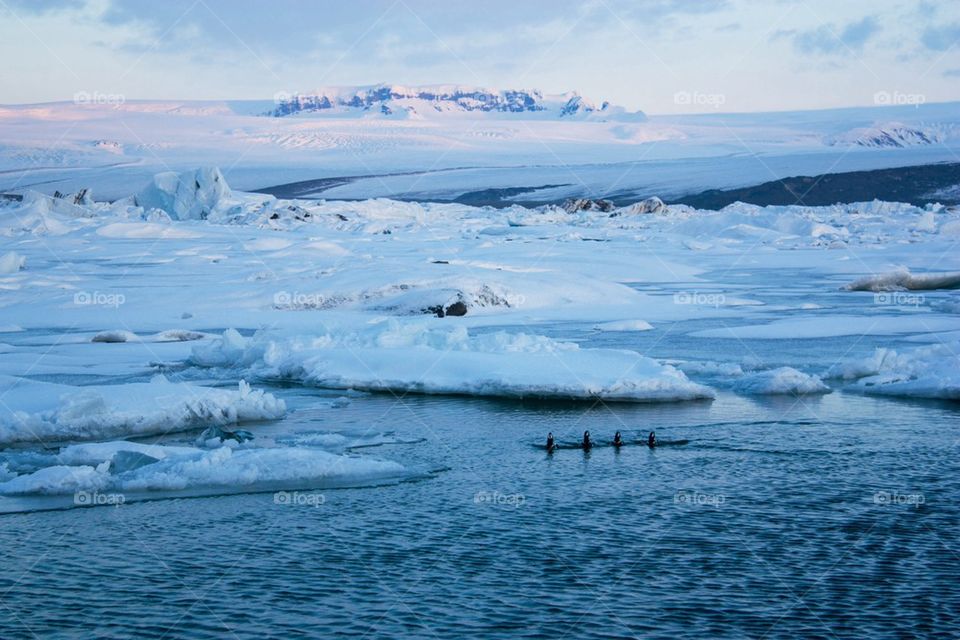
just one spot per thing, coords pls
(890, 135)
(417, 102)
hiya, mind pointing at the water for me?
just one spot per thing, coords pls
(765, 525)
(824, 517)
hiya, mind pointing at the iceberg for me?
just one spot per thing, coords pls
(192, 195)
(781, 381)
(389, 355)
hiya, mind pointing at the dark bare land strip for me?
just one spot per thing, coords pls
(915, 185)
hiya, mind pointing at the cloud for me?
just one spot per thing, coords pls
(828, 39)
(952, 73)
(39, 7)
(941, 38)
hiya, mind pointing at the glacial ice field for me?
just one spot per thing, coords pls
(230, 374)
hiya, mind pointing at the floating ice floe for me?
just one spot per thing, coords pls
(624, 325)
(781, 381)
(11, 262)
(33, 413)
(389, 355)
(903, 280)
(925, 372)
(171, 335)
(150, 470)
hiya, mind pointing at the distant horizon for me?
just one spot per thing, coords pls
(599, 100)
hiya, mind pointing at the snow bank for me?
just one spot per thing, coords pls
(224, 469)
(624, 325)
(926, 372)
(782, 381)
(170, 335)
(902, 279)
(710, 368)
(106, 411)
(192, 195)
(388, 355)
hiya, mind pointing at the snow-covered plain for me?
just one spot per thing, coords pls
(442, 152)
(186, 277)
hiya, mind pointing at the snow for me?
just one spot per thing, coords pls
(591, 154)
(827, 326)
(903, 280)
(33, 413)
(221, 470)
(170, 335)
(419, 357)
(188, 196)
(11, 262)
(624, 325)
(144, 230)
(781, 381)
(925, 372)
(344, 295)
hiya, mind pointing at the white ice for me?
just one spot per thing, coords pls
(924, 372)
(388, 355)
(781, 381)
(224, 469)
(42, 412)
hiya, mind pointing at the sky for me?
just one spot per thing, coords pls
(659, 56)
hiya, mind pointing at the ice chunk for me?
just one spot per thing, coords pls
(11, 262)
(124, 461)
(192, 195)
(94, 453)
(782, 381)
(117, 335)
(105, 411)
(711, 368)
(926, 372)
(650, 205)
(221, 470)
(624, 325)
(902, 279)
(423, 358)
(220, 435)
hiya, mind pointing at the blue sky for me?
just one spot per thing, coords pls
(662, 56)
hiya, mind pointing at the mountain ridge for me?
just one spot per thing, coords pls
(400, 101)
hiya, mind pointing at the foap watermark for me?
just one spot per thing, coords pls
(687, 497)
(499, 499)
(698, 99)
(98, 98)
(898, 299)
(97, 499)
(898, 98)
(887, 498)
(98, 298)
(298, 300)
(299, 498)
(699, 298)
